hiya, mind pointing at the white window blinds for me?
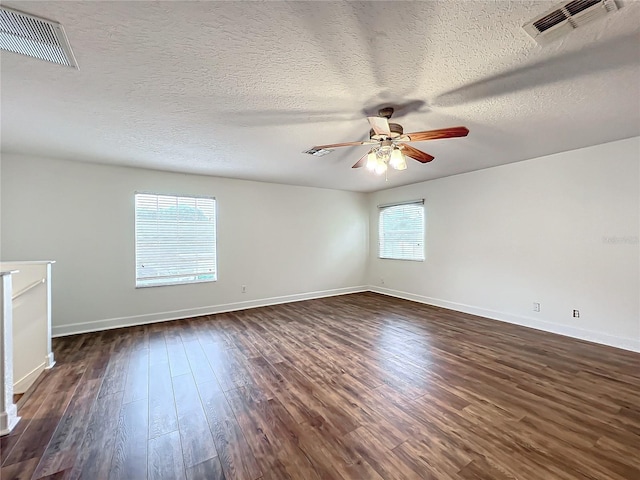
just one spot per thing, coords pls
(175, 239)
(401, 231)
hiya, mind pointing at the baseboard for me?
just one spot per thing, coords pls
(50, 361)
(32, 388)
(111, 323)
(567, 331)
(22, 385)
(8, 419)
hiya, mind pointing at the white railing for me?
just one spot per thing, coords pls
(31, 311)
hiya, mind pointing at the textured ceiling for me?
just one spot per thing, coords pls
(240, 89)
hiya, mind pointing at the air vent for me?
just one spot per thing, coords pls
(318, 152)
(549, 21)
(566, 17)
(35, 37)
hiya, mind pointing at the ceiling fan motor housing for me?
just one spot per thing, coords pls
(395, 129)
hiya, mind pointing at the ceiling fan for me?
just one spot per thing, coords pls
(390, 144)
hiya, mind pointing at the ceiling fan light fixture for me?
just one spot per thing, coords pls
(372, 161)
(384, 152)
(381, 167)
(397, 160)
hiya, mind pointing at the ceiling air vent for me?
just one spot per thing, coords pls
(566, 17)
(35, 37)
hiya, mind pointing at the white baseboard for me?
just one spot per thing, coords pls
(22, 385)
(579, 333)
(111, 323)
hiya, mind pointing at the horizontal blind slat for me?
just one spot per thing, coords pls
(401, 232)
(175, 239)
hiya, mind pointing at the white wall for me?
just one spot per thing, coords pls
(283, 242)
(561, 230)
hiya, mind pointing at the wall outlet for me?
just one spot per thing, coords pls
(243, 289)
(536, 307)
(576, 314)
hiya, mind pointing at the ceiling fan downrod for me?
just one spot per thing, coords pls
(386, 112)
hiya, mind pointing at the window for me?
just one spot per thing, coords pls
(175, 239)
(401, 231)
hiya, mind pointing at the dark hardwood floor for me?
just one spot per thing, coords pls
(359, 386)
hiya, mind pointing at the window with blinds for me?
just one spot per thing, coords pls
(401, 231)
(175, 239)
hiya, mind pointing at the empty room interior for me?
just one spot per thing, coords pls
(320, 240)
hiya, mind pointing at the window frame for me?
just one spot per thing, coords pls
(215, 239)
(381, 209)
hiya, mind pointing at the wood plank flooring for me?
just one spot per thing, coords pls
(359, 386)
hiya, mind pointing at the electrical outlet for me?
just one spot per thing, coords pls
(536, 307)
(243, 289)
(576, 314)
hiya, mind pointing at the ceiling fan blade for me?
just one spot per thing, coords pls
(380, 125)
(336, 145)
(361, 162)
(451, 132)
(416, 154)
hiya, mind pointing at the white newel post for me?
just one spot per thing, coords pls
(8, 412)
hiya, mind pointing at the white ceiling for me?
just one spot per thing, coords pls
(240, 89)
